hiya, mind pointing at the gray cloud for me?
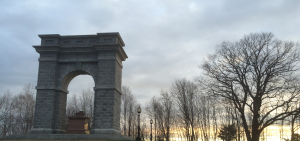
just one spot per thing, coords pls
(165, 40)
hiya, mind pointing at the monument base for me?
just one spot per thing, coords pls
(67, 137)
(46, 131)
(105, 131)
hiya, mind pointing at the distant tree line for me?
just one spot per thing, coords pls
(17, 111)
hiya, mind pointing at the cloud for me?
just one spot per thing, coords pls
(165, 40)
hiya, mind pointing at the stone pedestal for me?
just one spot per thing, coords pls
(78, 124)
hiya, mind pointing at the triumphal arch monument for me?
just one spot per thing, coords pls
(64, 57)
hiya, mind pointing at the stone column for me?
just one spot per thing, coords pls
(49, 113)
(107, 102)
(45, 97)
(59, 114)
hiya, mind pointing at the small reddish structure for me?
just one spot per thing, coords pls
(78, 124)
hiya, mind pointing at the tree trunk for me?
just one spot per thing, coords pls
(255, 137)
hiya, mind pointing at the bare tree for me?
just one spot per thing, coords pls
(184, 93)
(133, 116)
(5, 105)
(126, 98)
(162, 110)
(258, 75)
(5, 112)
(168, 114)
(73, 106)
(145, 130)
(151, 109)
(215, 113)
(202, 108)
(87, 104)
(23, 105)
(128, 112)
(16, 112)
(293, 123)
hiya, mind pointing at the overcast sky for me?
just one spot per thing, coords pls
(165, 39)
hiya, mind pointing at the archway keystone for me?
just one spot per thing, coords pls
(64, 57)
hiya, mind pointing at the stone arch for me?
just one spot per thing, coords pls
(64, 57)
(70, 76)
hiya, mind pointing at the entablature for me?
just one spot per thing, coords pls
(81, 40)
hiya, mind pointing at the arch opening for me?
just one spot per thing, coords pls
(81, 95)
(69, 77)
